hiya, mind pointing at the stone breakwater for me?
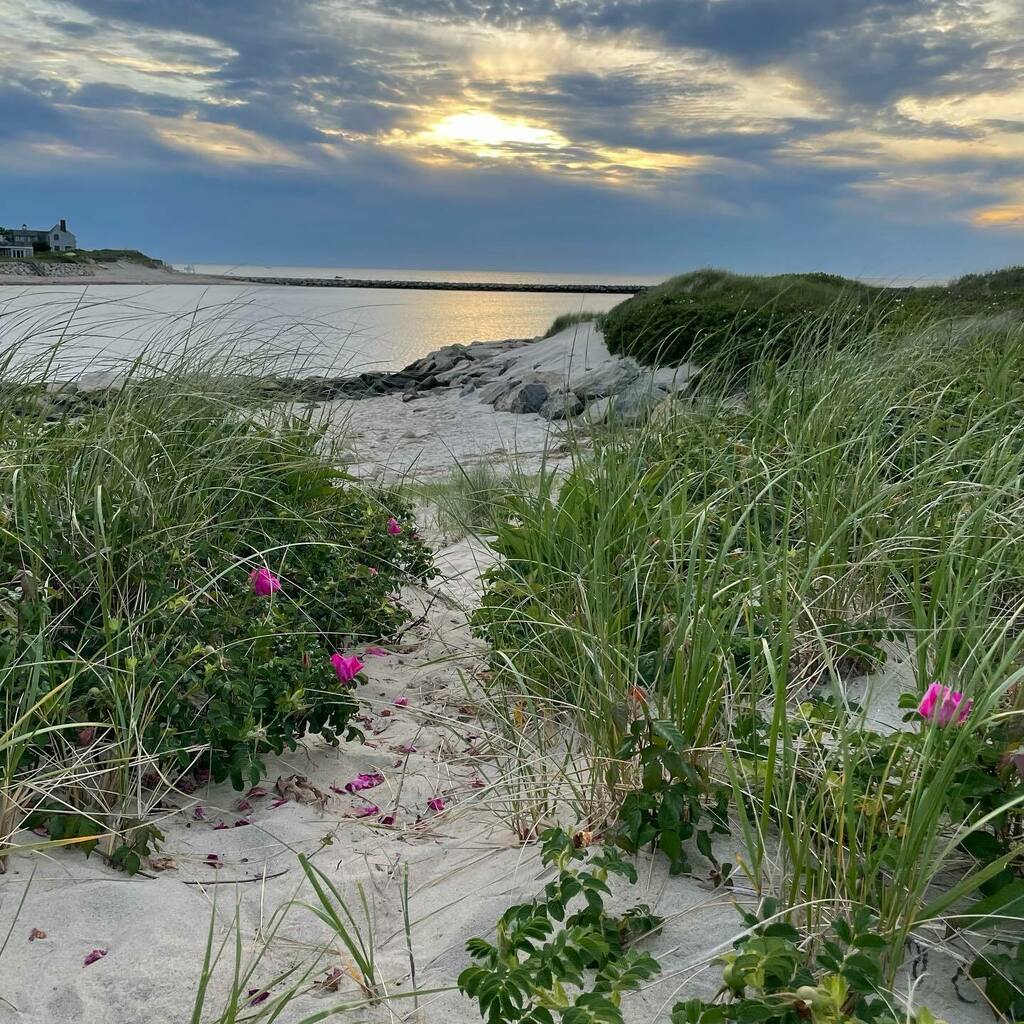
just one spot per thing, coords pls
(444, 286)
(568, 375)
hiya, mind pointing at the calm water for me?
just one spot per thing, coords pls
(315, 329)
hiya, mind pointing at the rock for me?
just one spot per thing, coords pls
(561, 404)
(636, 401)
(468, 389)
(527, 398)
(597, 411)
(447, 376)
(496, 389)
(607, 379)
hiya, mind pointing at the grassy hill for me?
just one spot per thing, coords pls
(710, 312)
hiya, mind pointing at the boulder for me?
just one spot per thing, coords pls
(597, 411)
(607, 379)
(561, 404)
(637, 401)
(497, 389)
(524, 398)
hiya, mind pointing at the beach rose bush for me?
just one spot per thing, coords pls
(184, 574)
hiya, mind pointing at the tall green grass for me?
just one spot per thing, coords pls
(740, 565)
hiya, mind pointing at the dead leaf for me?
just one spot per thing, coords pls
(36, 933)
(163, 863)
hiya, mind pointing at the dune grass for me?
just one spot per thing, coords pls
(735, 570)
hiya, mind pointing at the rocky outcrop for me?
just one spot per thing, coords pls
(569, 375)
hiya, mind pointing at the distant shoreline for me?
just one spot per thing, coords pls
(28, 273)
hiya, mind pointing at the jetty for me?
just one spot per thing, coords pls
(445, 286)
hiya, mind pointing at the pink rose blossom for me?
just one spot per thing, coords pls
(393, 528)
(943, 705)
(346, 668)
(436, 803)
(264, 582)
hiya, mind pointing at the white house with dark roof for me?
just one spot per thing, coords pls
(14, 250)
(57, 239)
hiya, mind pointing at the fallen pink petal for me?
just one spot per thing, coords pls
(280, 802)
(36, 933)
(376, 652)
(436, 803)
(198, 814)
(366, 811)
(96, 954)
(256, 791)
(243, 805)
(401, 702)
(220, 825)
(241, 822)
(257, 996)
(387, 819)
(367, 780)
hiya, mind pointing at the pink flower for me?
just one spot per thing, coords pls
(96, 954)
(435, 803)
(264, 582)
(393, 528)
(401, 702)
(374, 571)
(944, 705)
(376, 652)
(346, 668)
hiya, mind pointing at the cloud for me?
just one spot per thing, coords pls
(741, 108)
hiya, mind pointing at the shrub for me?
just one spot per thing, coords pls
(127, 535)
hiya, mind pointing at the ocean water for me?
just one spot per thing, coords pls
(308, 330)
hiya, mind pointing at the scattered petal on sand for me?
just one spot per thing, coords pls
(436, 803)
(243, 805)
(401, 702)
(477, 783)
(387, 819)
(257, 996)
(256, 791)
(96, 954)
(213, 860)
(279, 802)
(366, 780)
(220, 825)
(366, 811)
(403, 748)
(332, 980)
(241, 822)
(36, 933)
(376, 652)
(385, 712)
(199, 814)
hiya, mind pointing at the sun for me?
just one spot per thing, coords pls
(482, 131)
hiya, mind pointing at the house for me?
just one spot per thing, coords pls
(57, 239)
(14, 250)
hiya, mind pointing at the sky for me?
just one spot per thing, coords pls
(879, 138)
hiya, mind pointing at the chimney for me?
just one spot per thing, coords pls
(63, 225)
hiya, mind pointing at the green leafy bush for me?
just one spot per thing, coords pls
(541, 949)
(127, 536)
(771, 978)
